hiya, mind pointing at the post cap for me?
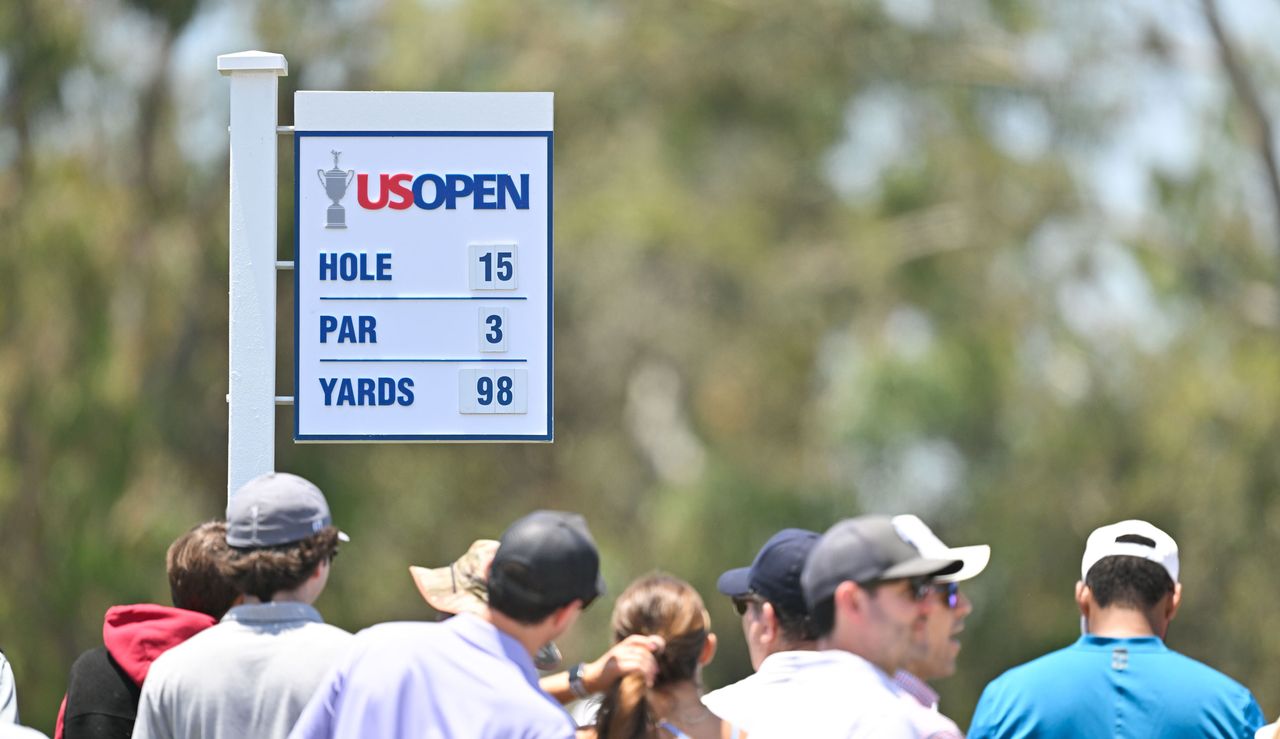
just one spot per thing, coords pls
(253, 61)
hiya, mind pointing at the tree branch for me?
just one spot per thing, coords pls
(1245, 90)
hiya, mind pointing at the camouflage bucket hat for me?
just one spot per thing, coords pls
(459, 587)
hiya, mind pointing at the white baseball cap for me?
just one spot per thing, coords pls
(1106, 542)
(917, 534)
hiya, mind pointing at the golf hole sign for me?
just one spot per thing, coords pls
(422, 266)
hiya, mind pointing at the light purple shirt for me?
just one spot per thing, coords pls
(459, 678)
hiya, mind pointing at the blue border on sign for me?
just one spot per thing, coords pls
(297, 310)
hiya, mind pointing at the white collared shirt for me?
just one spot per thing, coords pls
(830, 693)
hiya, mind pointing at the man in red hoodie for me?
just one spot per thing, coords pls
(106, 682)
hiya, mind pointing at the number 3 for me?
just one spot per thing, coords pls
(492, 325)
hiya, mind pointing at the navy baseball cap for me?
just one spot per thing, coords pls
(775, 573)
(862, 550)
(274, 509)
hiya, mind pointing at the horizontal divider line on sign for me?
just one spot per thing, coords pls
(423, 297)
(424, 360)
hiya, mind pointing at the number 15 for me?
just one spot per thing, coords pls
(493, 266)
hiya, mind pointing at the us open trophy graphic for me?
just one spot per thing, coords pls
(335, 183)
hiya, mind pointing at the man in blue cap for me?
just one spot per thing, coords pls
(775, 621)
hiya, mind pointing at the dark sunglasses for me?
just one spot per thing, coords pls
(950, 592)
(742, 603)
(918, 588)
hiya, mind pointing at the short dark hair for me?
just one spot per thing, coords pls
(1128, 582)
(262, 572)
(795, 627)
(512, 596)
(195, 581)
(822, 616)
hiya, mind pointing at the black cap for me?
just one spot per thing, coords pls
(862, 550)
(775, 573)
(550, 558)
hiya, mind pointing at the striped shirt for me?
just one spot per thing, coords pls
(924, 713)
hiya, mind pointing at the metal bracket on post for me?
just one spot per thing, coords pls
(251, 422)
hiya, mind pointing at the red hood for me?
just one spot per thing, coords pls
(135, 635)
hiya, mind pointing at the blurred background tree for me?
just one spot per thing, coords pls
(1009, 264)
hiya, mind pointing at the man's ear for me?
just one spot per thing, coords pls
(849, 597)
(563, 617)
(770, 630)
(1083, 597)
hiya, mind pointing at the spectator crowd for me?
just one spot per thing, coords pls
(845, 631)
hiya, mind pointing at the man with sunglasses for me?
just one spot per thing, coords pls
(869, 594)
(934, 655)
(775, 621)
(472, 675)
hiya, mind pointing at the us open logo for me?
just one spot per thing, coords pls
(336, 181)
(402, 190)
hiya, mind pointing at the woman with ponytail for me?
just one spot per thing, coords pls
(665, 606)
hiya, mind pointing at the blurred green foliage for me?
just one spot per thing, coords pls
(812, 260)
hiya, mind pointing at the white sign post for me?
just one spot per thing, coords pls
(251, 381)
(423, 266)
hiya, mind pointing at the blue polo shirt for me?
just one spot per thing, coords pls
(460, 678)
(1103, 687)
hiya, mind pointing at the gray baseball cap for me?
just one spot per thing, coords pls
(864, 549)
(276, 508)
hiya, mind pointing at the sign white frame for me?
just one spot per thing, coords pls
(437, 116)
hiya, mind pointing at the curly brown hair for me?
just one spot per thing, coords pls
(193, 562)
(265, 571)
